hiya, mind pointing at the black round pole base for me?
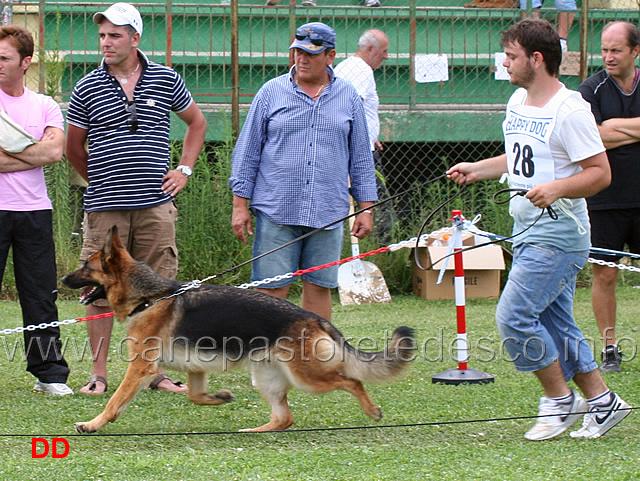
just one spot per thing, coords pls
(460, 376)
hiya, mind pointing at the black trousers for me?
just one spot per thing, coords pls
(30, 235)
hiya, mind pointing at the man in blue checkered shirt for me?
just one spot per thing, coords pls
(304, 139)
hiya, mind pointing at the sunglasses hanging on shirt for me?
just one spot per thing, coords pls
(132, 121)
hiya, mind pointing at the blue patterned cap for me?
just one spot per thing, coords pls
(314, 38)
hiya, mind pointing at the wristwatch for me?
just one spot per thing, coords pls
(185, 169)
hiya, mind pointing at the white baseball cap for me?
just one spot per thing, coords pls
(121, 14)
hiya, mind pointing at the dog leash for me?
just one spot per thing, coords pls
(195, 284)
(428, 219)
(315, 231)
(552, 213)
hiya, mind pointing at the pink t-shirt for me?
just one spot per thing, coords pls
(26, 190)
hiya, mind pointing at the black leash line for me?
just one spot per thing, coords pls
(292, 431)
(427, 220)
(552, 213)
(310, 233)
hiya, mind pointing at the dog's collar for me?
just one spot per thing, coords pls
(145, 305)
(140, 308)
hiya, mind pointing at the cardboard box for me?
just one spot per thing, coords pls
(482, 268)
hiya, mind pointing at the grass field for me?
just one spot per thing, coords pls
(429, 431)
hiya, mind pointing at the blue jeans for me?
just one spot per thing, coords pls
(535, 311)
(321, 248)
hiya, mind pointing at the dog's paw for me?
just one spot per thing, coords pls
(225, 396)
(84, 428)
(375, 413)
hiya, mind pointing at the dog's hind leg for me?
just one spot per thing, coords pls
(138, 374)
(318, 378)
(357, 389)
(198, 391)
(273, 385)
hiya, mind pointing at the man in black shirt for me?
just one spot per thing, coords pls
(615, 211)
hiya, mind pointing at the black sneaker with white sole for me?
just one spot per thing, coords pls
(611, 358)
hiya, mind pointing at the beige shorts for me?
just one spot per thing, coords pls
(148, 234)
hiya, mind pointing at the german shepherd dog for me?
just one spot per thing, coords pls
(214, 328)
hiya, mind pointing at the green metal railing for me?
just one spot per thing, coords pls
(226, 52)
(197, 40)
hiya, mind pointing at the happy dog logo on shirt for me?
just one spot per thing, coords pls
(535, 127)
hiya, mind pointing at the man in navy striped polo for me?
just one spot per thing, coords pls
(122, 109)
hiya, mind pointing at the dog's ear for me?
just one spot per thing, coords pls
(112, 248)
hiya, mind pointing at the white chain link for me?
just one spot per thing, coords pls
(34, 327)
(265, 281)
(624, 267)
(473, 229)
(470, 226)
(409, 243)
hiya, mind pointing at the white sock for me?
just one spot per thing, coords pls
(602, 399)
(568, 399)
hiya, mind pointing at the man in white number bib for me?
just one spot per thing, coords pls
(555, 155)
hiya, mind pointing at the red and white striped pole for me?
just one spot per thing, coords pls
(462, 346)
(463, 374)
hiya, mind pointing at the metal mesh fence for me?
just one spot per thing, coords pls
(441, 89)
(438, 55)
(442, 99)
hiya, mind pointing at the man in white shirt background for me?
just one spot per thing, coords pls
(373, 50)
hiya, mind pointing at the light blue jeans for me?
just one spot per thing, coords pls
(535, 311)
(321, 248)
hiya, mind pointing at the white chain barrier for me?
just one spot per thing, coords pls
(38, 326)
(469, 226)
(623, 267)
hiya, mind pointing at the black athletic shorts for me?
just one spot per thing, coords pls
(614, 229)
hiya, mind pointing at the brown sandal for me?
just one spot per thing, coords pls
(92, 385)
(162, 377)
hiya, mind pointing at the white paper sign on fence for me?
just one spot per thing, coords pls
(501, 71)
(431, 68)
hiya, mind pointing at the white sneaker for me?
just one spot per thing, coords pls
(601, 418)
(372, 3)
(555, 418)
(309, 3)
(53, 388)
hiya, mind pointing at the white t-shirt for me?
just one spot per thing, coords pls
(360, 74)
(26, 190)
(542, 145)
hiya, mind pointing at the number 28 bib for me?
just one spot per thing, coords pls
(527, 131)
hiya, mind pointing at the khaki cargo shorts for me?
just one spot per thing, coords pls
(148, 234)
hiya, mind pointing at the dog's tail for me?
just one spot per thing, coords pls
(383, 365)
